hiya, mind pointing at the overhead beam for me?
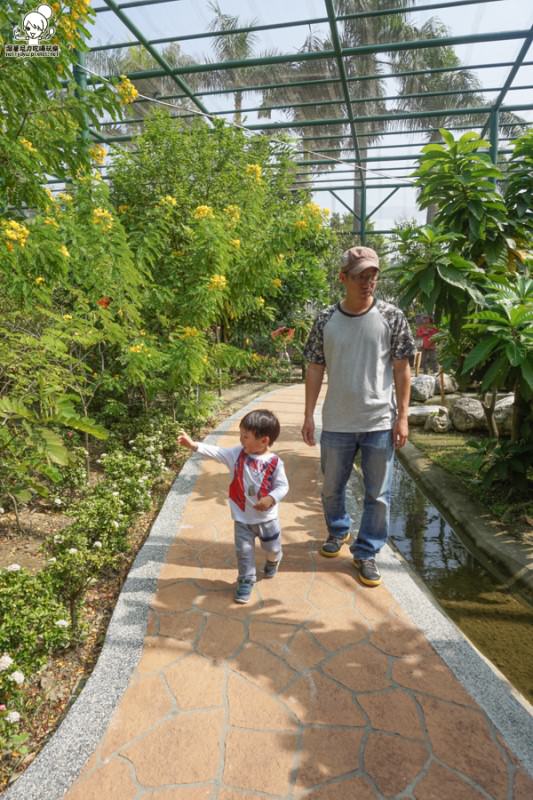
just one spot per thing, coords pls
(342, 72)
(510, 78)
(167, 68)
(276, 25)
(314, 55)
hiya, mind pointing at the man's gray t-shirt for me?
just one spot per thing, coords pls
(358, 350)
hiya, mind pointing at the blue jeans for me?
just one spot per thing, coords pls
(337, 453)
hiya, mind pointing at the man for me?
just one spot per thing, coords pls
(365, 345)
(426, 331)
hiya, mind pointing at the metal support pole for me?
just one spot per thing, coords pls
(80, 76)
(341, 201)
(493, 127)
(362, 221)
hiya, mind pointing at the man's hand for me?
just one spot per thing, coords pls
(264, 503)
(185, 441)
(308, 431)
(400, 432)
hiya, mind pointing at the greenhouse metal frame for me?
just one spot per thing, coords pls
(344, 107)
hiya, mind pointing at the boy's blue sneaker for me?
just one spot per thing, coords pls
(244, 590)
(271, 568)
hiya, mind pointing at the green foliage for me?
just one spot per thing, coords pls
(29, 613)
(460, 179)
(518, 189)
(442, 281)
(43, 109)
(504, 331)
(503, 462)
(469, 271)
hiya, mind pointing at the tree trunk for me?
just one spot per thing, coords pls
(488, 408)
(357, 198)
(237, 117)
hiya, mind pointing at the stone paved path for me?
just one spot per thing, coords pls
(318, 688)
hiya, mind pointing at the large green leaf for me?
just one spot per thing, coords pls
(9, 407)
(55, 449)
(496, 373)
(480, 353)
(453, 276)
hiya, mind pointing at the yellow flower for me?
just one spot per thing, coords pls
(217, 282)
(276, 283)
(27, 145)
(126, 90)
(314, 208)
(98, 153)
(142, 332)
(15, 232)
(122, 208)
(64, 252)
(66, 317)
(202, 212)
(280, 258)
(65, 197)
(300, 223)
(233, 212)
(255, 171)
(81, 7)
(51, 221)
(205, 359)
(49, 193)
(190, 332)
(103, 218)
(39, 280)
(260, 301)
(235, 243)
(168, 200)
(137, 348)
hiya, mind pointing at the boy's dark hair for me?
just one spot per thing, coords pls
(261, 422)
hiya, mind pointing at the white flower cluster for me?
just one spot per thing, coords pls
(5, 662)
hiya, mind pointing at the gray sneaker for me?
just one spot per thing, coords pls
(271, 568)
(369, 574)
(333, 545)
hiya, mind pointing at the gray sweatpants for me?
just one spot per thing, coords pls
(269, 535)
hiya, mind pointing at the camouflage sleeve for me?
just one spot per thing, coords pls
(402, 341)
(314, 346)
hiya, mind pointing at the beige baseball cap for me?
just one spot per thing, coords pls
(357, 259)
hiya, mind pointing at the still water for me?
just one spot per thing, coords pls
(498, 621)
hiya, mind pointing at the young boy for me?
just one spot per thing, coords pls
(259, 483)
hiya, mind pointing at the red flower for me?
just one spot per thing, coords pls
(288, 333)
(103, 302)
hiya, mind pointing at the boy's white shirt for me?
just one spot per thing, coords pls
(252, 480)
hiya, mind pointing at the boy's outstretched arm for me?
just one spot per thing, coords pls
(185, 440)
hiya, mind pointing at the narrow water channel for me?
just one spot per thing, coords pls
(499, 622)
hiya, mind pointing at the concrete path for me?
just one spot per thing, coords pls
(319, 688)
